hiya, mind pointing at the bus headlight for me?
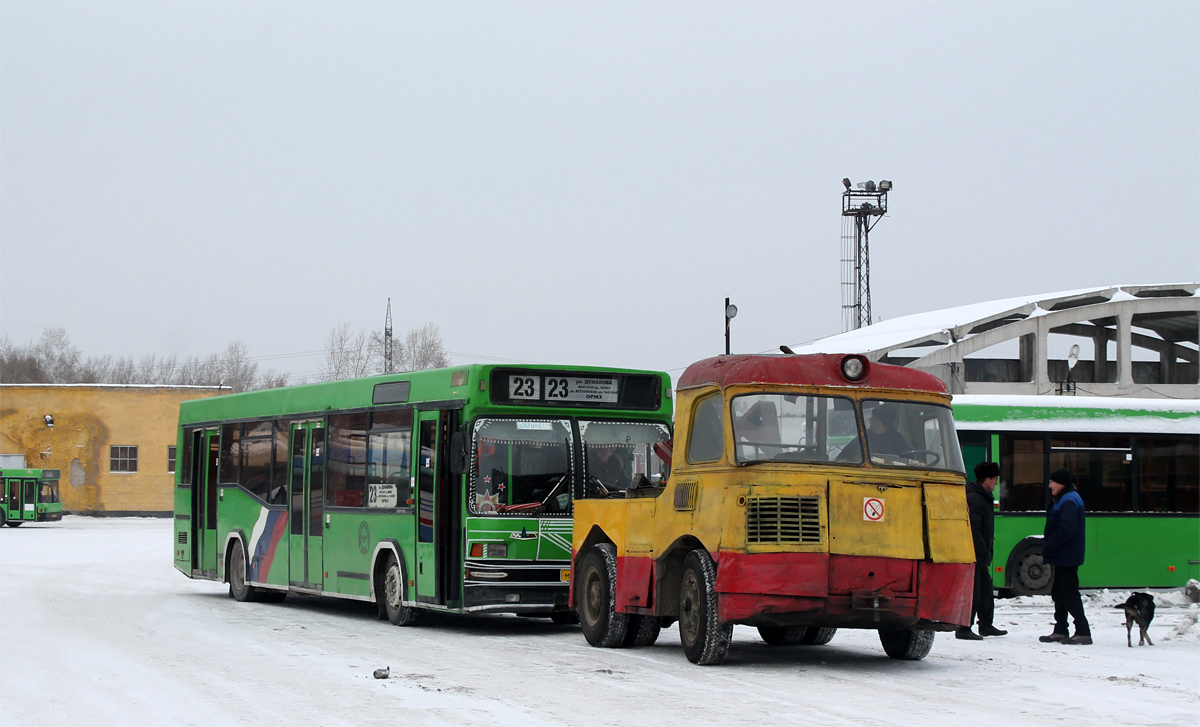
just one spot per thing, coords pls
(854, 367)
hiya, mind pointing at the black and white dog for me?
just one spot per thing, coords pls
(1138, 609)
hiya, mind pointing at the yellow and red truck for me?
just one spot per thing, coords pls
(805, 494)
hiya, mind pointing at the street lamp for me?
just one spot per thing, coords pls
(730, 313)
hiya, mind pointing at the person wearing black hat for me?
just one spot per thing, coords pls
(979, 505)
(1062, 548)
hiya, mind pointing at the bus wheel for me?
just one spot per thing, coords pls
(782, 635)
(596, 591)
(1030, 575)
(817, 636)
(643, 631)
(238, 588)
(906, 645)
(705, 639)
(392, 595)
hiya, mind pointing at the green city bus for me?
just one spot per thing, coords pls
(1136, 463)
(30, 495)
(448, 490)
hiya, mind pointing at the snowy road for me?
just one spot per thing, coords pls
(100, 629)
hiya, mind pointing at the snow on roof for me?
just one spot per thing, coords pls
(1091, 414)
(935, 326)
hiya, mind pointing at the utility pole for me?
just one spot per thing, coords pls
(858, 207)
(387, 340)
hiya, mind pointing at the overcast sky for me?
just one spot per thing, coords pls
(575, 182)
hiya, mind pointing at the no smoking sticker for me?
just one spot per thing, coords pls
(873, 509)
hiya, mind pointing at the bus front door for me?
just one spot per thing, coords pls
(207, 452)
(306, 508)
(438, 512)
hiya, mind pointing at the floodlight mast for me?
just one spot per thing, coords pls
(858, 207)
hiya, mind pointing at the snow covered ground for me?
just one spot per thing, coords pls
(99, 628)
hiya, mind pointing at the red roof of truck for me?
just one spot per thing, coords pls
(821, 369)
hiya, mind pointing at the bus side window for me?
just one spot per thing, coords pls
(706, 441)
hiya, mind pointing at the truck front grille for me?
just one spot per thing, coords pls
(783, 520)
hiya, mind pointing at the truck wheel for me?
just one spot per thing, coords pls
(1030, 575)
(239, 590)
(643, 631)
(391, 596)
(596, 591)
(906, 645)
(817, 636)
(705, 639)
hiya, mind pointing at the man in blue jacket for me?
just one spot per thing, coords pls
(1062, 547)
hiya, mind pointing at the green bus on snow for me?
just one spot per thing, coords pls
(1136, 463)
(448, 490)
(30, 495)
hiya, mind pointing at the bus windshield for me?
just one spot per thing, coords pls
(795, 428)
(521, 466)
(911, 434)
(619, 454)
(49, 491)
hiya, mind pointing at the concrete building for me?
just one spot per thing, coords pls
(114, 444)
(1129, 340)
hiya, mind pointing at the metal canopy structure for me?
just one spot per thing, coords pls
(1135, 340)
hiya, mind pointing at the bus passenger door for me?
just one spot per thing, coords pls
(29, 510)
(428, 523)
(306, 508)
(207, 453)
(9, 497)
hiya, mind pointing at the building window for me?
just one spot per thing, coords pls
(122, 459)
(171, 459)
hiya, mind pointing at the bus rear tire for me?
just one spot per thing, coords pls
(643, 631)
(391, 595)
(796, 635)
(705, 639)
(239, 590)
(906, 645)
(596, 591)
(1031, 576)
(818, 636)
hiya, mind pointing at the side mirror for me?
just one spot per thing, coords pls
(458, 453)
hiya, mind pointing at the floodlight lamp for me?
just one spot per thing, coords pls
(846, 182)
(885, 185)
(870, 186)
(731, 311)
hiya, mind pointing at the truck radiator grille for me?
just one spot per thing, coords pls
(783, 520)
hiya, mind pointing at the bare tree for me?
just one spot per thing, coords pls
(349, 355)
(423, 349)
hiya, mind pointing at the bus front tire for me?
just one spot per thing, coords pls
(239, 590)
(705, 639)
(596, 590)
(391, 596)
(906, 645)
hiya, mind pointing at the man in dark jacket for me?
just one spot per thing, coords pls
(1062, 547)
(979, 505)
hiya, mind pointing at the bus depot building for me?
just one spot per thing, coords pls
(114, 444)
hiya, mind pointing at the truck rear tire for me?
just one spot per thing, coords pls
(705, 639)
(596, 594)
